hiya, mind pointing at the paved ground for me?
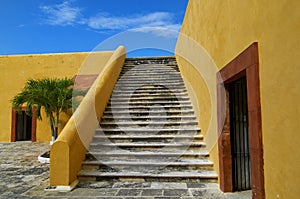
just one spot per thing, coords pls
(22, 176)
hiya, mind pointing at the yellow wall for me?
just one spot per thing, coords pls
(17, 69)
(225, 28)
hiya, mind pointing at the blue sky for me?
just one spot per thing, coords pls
(145, 27)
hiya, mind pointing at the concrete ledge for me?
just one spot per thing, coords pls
(63, 188)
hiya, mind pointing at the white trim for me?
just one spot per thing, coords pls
(43, 160)
(63, 188)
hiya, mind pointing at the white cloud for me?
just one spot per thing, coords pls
(62, 14)
(104, 21)
(169, 31)
(158, 23)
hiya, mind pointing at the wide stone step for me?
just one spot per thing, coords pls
(129, 76)
(155, 74)
(185, 106)
(164, 82)
(149, 94)
(151, 175)
(147, 68)
(150, 136)
(150, 130)
(152, 98)
(133, 75)
(151, 112)
(159, 70)
(136, 79)
(144, 145)
(147, 65)
(151, 60)
(149, 87)
(150, 91)
(154, 107)
(149, 102)
(137, 124)
(147, 117)
(152, 123)
(154, 116)
(149, 163)
(157, 64)
(146, 154)
(132, 78)
(143, 138)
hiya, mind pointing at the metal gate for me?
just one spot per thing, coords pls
(23, 127)
(239, 132)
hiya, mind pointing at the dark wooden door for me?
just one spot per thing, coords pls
(23, 126)
(239, 131)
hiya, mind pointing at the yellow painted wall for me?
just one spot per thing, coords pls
(17, 69)
(225, 28)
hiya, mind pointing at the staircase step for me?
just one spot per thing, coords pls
(146, 154)
(153, 138)
(147, 136)
(144, 79)
(148, 144)
(152, 98)
(153, 86)
(193, 163)
(204, 176)
(152, 123)
(186, 102)
(141, 113)
(143, 85)
(129, 74)
(129, 95)
(150, 130)
(133, 77)
(149, 91)
(147, 117)
(152, 107)
(147, 68)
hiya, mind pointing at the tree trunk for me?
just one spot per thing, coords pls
(52, 125)
(57, 121)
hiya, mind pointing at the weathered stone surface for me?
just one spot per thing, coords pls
(149, 129)
(129, 192)
(24, 177)
(19, 168)
(176, 192)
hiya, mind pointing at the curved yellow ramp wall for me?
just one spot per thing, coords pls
(68, 151)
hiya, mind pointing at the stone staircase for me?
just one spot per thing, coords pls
(148, 130)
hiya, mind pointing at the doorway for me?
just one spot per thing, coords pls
(23, 126)
(240, 145)
(239, 135)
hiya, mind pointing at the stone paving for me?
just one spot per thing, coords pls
(22, 176)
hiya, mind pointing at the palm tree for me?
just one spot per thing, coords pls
(51, 95)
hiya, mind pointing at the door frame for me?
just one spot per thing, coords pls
(14, 124)
(245, 64)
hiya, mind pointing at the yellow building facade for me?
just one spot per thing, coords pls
(217, 38)
(17, 69)
(220, 43)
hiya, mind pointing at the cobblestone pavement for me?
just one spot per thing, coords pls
(22, 176)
